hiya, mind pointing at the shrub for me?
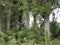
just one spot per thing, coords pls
(22, 34)
(2, 42)
(12, 42)
(7, 37)
(1, 34)
(31, 35)
(9, 33)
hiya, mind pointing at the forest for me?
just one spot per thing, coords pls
(27, 22)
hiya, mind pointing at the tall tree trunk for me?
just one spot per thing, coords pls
(0, 18)
(8, 20)
(47, 30)
(0, 23)
(37, 32)
(28, 21)
(35, 24)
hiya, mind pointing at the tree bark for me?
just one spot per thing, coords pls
(0, 23)
(28, 20)
(8, 20)
(0, 19)
(47, 30)
(35, 24)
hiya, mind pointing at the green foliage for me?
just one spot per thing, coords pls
(12, 42)
(55, 42)
(54, 29)
(8, 36)
(43, 9)
(42, 29)
(16, 9)
(1, 34)
(31, 35)
(22, 34)
(2, 41)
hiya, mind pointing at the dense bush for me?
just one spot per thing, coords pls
(12, 42)
(54, 29)
(2, 41)
(1, 34)
(31, 35)
(22, 34)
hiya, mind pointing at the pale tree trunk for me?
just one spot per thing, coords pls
(47, 30)
(28, 21)
(8, 20)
